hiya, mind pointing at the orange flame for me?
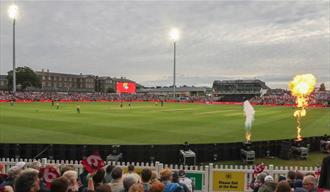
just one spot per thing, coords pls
(247, 136)
(301, 87)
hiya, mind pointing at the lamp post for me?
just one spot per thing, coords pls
(174, 35)
(12, 12)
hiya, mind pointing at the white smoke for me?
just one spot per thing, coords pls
(249, 114)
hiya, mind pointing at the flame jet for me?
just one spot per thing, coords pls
(249, 114)
(301, 87)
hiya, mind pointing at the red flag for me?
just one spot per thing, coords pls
(259, 168)
(93, 162)
(49, 173)
(125, 87)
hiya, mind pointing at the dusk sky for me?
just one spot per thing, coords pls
(268, 40)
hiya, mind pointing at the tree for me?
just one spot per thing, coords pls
(25, 77)
(322, 87)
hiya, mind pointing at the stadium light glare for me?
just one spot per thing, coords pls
(174, 35)
(13, 11)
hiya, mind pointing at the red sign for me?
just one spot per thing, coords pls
(126, 87)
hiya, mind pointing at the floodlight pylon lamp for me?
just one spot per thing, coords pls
(13, 11)
(174, 34)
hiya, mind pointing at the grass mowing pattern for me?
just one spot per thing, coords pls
(145, 123)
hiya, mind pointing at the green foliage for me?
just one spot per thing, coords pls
(147, 123)
(25, 77)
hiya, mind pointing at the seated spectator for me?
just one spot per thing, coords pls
(27, 181)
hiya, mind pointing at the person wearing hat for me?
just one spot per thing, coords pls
(185, 180)
(268, 186)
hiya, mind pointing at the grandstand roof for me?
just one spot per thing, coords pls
(178, 89)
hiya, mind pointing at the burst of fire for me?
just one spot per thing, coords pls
(301, 87)
(247, 136)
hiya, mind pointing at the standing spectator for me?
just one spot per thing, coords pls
(137, 187)
(98, 177)
(324, 181)
(132, 173)
(269, 185)
(108, 170)
(146, 177)
(166, 178)
(60, 184)
(175, 179)
(72, 177)
(185, 180)
(157, 186)
(291, 178)
(27, 181)
(309, 183)
(116, 183)
(283, 186)
(128, 181)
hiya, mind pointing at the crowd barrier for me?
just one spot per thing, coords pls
(206, 178)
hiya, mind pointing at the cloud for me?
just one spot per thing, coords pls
(220, 39)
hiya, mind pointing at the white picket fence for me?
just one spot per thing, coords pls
(207, 172)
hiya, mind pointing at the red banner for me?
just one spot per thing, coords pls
(49, 173)
(93, 162)
(125, 87)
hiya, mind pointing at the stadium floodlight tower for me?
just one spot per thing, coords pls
(12, 13)
(174, 35)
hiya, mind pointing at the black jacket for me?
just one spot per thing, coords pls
(324, 181)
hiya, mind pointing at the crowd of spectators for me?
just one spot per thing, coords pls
(316, 98)
(282, 98)
(25, 177)
(57, 96)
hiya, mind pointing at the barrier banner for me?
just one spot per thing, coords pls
(197, 179)
(228, 181)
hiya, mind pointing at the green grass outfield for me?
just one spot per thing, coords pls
(145, 123)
